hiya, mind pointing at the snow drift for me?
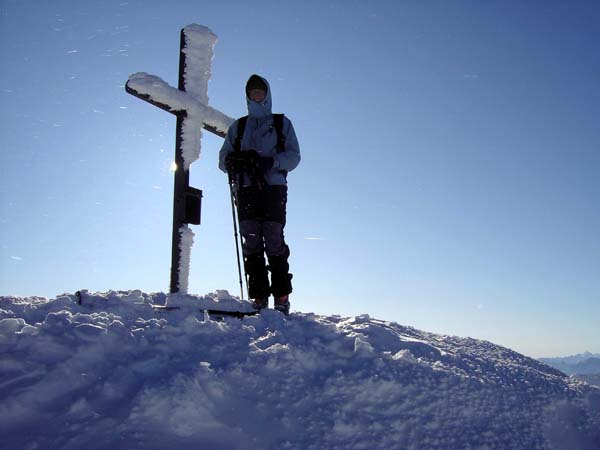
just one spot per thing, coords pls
(112, 372)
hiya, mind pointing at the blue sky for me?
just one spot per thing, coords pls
(451, 153)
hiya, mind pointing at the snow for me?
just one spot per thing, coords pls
(198, 50)
(112, 372)
(198, 113)
(185, 253)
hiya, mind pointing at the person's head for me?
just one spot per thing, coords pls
(256, 89)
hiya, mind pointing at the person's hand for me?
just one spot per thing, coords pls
(251, 157)
(235, 162)
(265, 163)
(261, 164)
(248, 161)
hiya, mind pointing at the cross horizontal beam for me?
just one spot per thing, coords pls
(148, 98)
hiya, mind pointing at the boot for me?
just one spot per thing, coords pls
(260, 303)
(282, 304)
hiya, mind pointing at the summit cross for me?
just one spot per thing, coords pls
(189, 103)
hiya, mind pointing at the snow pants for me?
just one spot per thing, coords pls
(262, 215)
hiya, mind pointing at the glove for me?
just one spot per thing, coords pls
(251, 157)
(264, 163)
(248, 161)
(235, 162)
(259, 163)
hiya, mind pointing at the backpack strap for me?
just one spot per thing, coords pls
(278, 124)
(241, 126)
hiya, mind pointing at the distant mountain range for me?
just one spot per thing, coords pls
(582, 364)
(590, 379)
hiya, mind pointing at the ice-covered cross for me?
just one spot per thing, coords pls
(190, 104)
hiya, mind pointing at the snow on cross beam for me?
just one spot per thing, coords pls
(158, 92)
(191, 97)
(189, 103)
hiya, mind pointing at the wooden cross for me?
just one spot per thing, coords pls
(189, 102)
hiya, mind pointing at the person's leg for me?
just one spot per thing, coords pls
(254, 259)
(253, 246)
(277, 250)
(278, 253)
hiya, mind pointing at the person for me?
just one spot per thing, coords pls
(258, 152)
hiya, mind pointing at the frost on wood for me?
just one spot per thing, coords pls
(159, 91)
(191, 138)
(198, 50)
(199, 43)
(185, 246)
(198, 113)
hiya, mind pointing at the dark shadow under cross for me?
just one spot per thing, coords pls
(189, 103)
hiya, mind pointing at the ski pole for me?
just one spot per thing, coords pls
(235, 232)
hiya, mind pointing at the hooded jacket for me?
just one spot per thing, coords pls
(260, 135)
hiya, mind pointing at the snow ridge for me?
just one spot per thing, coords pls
(112, 372)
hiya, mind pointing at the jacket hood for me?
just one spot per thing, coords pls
(262, 109)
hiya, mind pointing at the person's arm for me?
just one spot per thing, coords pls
(289, 159)
(227, 147)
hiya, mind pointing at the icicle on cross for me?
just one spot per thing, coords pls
(190, 104)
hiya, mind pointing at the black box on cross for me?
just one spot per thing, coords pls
(193, 205)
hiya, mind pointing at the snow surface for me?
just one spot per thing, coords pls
(113, 372)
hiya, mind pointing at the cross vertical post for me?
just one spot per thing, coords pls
(181, 180)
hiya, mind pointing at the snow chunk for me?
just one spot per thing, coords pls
(221, 300)
(134, 296)
(56, 322)
(362, 347)
(223, 294)
(11, 325)
(406, 356)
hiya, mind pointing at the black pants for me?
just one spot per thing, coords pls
(262, 214)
